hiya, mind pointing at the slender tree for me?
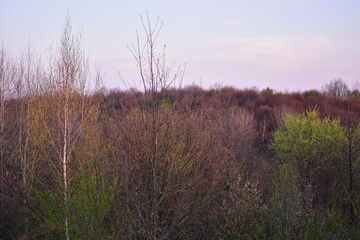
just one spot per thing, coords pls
(175, 169)
(63, 108)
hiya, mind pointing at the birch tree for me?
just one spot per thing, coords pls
(29, 69)
(63, 109)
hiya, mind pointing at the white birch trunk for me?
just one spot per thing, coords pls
(65, 156)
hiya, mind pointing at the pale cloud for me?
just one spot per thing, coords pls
(285, 62)
(285, 46)
(287, 53)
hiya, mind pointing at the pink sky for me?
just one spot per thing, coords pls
(281, 44)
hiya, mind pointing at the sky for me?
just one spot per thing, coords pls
(287, 45)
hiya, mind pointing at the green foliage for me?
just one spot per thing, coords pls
(226, 93)
(267, 92)
(311, 93)
(253, 228)
(280, 216)
(355, 93)
(89, 204)
(325, 225)
(283, 213)
(315, 148)
(164, 106)
(318, 149)
(283, 217)
(52, 209)
(309, 141)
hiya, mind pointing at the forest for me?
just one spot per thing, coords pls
(79, 161)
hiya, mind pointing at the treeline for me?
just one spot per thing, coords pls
(81, 162)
